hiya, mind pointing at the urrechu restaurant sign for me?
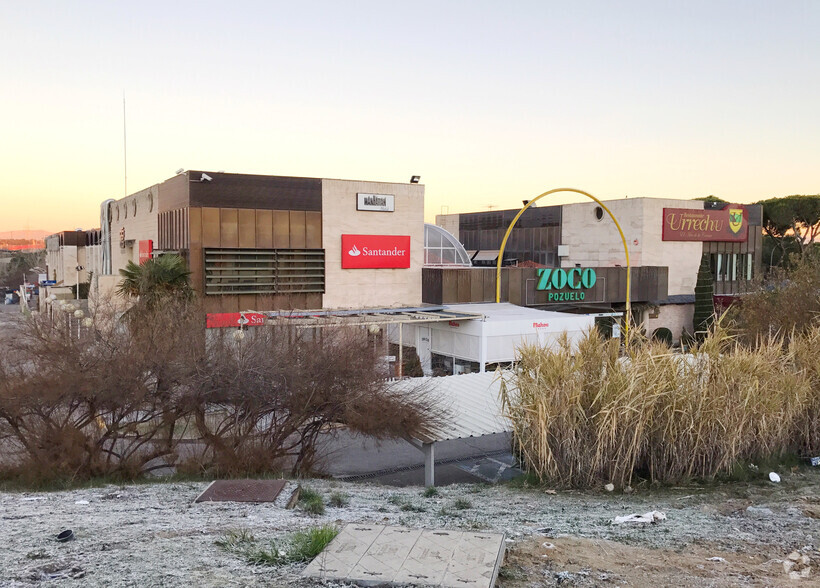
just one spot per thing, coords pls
(687, 224)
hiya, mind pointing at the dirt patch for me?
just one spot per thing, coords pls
(576, 561)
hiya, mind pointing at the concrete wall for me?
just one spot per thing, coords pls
(359, 288)
(61, 264)
(674, 317)
(449, 222)
(596, 243)
(140, 223)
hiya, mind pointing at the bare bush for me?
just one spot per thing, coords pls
(588, 416)
(787, 300)
(265, 399)
(103, 403)
(118, 399)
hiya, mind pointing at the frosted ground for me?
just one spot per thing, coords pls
(155, 535)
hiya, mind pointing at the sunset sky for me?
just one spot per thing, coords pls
(489, 102)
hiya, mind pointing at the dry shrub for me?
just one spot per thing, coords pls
(586, 416)
(119, 400)
(265, 399)
(787, 301)
(104, 403)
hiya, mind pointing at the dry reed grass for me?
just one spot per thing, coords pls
(587, 415)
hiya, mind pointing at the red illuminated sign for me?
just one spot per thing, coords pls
(375, 251)
(215, 320)
(146, 248)
(687, 224)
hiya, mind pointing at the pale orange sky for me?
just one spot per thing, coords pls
(490, 103)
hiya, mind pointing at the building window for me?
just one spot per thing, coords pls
(264, 271)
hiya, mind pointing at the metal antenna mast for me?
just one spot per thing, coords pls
(124, 151)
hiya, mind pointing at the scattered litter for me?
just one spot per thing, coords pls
(294, 498)
(815, 461)
(609, 487)
(774, 477)
(720, 559)
(647, 517)
(82, 502)
(547, 545)
(32, 498)
(66, 535)
(797, 565)
(760, 511)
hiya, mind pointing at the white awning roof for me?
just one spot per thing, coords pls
(471, 400)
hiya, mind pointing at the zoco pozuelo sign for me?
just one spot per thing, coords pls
(565, 285)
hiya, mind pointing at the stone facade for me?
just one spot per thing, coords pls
(364, 288)
(596, 243)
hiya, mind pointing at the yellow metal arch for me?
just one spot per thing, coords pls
(612, 216)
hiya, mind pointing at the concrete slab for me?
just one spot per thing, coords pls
(376, 555)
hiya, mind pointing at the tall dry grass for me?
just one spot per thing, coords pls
(586, 415)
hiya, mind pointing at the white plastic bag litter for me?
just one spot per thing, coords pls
(647, 517)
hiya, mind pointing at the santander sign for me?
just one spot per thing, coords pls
(375, 251)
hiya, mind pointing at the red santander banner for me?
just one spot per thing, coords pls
(146, 248)
(694, 224)
(215, 320)
(375, 251)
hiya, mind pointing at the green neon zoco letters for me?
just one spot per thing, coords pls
(557, 279)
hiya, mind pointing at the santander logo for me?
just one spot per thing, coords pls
(375, 251)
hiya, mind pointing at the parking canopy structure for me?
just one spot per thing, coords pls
(471, 404)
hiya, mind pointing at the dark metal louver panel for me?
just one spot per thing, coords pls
(264, 271)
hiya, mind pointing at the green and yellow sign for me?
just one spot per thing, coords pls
(565, 285)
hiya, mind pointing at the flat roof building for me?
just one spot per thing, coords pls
(552, 248)
(273, 242)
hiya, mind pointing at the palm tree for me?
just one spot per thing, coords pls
(156, 279)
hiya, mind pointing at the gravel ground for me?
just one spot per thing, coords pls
(155, 535)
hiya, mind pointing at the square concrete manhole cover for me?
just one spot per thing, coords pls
(242, 491)
(376, 555)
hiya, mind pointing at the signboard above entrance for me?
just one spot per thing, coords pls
(565, 285)
(215, 320)
(686, 224)
(146, 248)
(375, 202)
(375, 251)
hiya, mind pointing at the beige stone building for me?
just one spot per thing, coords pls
(276, 243)
(666, 240)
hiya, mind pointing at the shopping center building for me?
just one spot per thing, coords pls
(316, 252)
(571, 257)
(276, 243)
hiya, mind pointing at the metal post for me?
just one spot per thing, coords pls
(429, 450)
(401, 355)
